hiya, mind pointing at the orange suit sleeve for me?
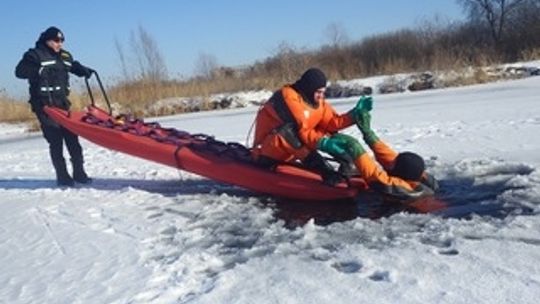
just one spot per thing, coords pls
(384, 155)
(332, 121)
(371, 173)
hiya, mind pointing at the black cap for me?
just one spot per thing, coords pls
(409, 166)
(52, 33)
(312, 80)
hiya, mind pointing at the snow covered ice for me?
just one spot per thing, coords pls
(146, 233)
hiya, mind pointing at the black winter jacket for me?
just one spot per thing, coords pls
(48, 75)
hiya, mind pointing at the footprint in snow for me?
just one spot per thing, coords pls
(449, 251)
(437, 241)
(169, 231)
(154, 215)
(151, 208)
(348, 267)
(380, 276)
(444, 245)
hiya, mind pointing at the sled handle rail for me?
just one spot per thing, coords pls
(92, 100)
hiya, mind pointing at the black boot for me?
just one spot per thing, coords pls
(317, 162)
(347, 167)
(62, 176)
(78, 172)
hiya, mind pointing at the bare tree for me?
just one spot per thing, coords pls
(336, 35)
(151, 63)
(205, 65)
(290, 61)
(122, 58)
(494, 13)
(136, 50)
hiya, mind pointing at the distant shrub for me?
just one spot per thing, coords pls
(12, 111)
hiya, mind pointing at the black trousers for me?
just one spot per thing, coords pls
(56, 135)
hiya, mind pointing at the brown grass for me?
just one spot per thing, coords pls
(19, 111)
(13, 111)
(136, 97)
(531, 54)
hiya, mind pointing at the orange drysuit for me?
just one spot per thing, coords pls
(379, 179)
(287, 127)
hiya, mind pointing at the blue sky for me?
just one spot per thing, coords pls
(234, 32)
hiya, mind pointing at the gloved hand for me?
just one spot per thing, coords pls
(363, 122)
(88, 72)
(364, 104)
(351, 145)
(331, 145)
(341, 146)
(363, 118)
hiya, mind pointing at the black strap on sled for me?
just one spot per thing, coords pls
(153, 130)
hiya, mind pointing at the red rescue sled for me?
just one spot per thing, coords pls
(203, 155)
(200, 154)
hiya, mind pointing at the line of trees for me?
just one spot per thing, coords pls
(495, 31)
(509, 26)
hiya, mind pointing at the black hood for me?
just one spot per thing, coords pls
(50, 33)
(312, 80)
(409, 166)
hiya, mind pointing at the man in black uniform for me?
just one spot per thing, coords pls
(47, 67)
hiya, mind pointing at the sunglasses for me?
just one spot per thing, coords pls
(58, 40)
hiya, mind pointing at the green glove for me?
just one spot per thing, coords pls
(364, 104)
(363, 118)
(340, 145)
(352, 147)
(331, 145)
(361, 113)
(363, 122)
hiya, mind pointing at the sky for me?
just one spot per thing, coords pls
(234, 32)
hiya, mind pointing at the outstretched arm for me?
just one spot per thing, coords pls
(383, 153)
(76, 67)
(80, 70)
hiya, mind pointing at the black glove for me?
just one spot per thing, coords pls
(88, 72)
